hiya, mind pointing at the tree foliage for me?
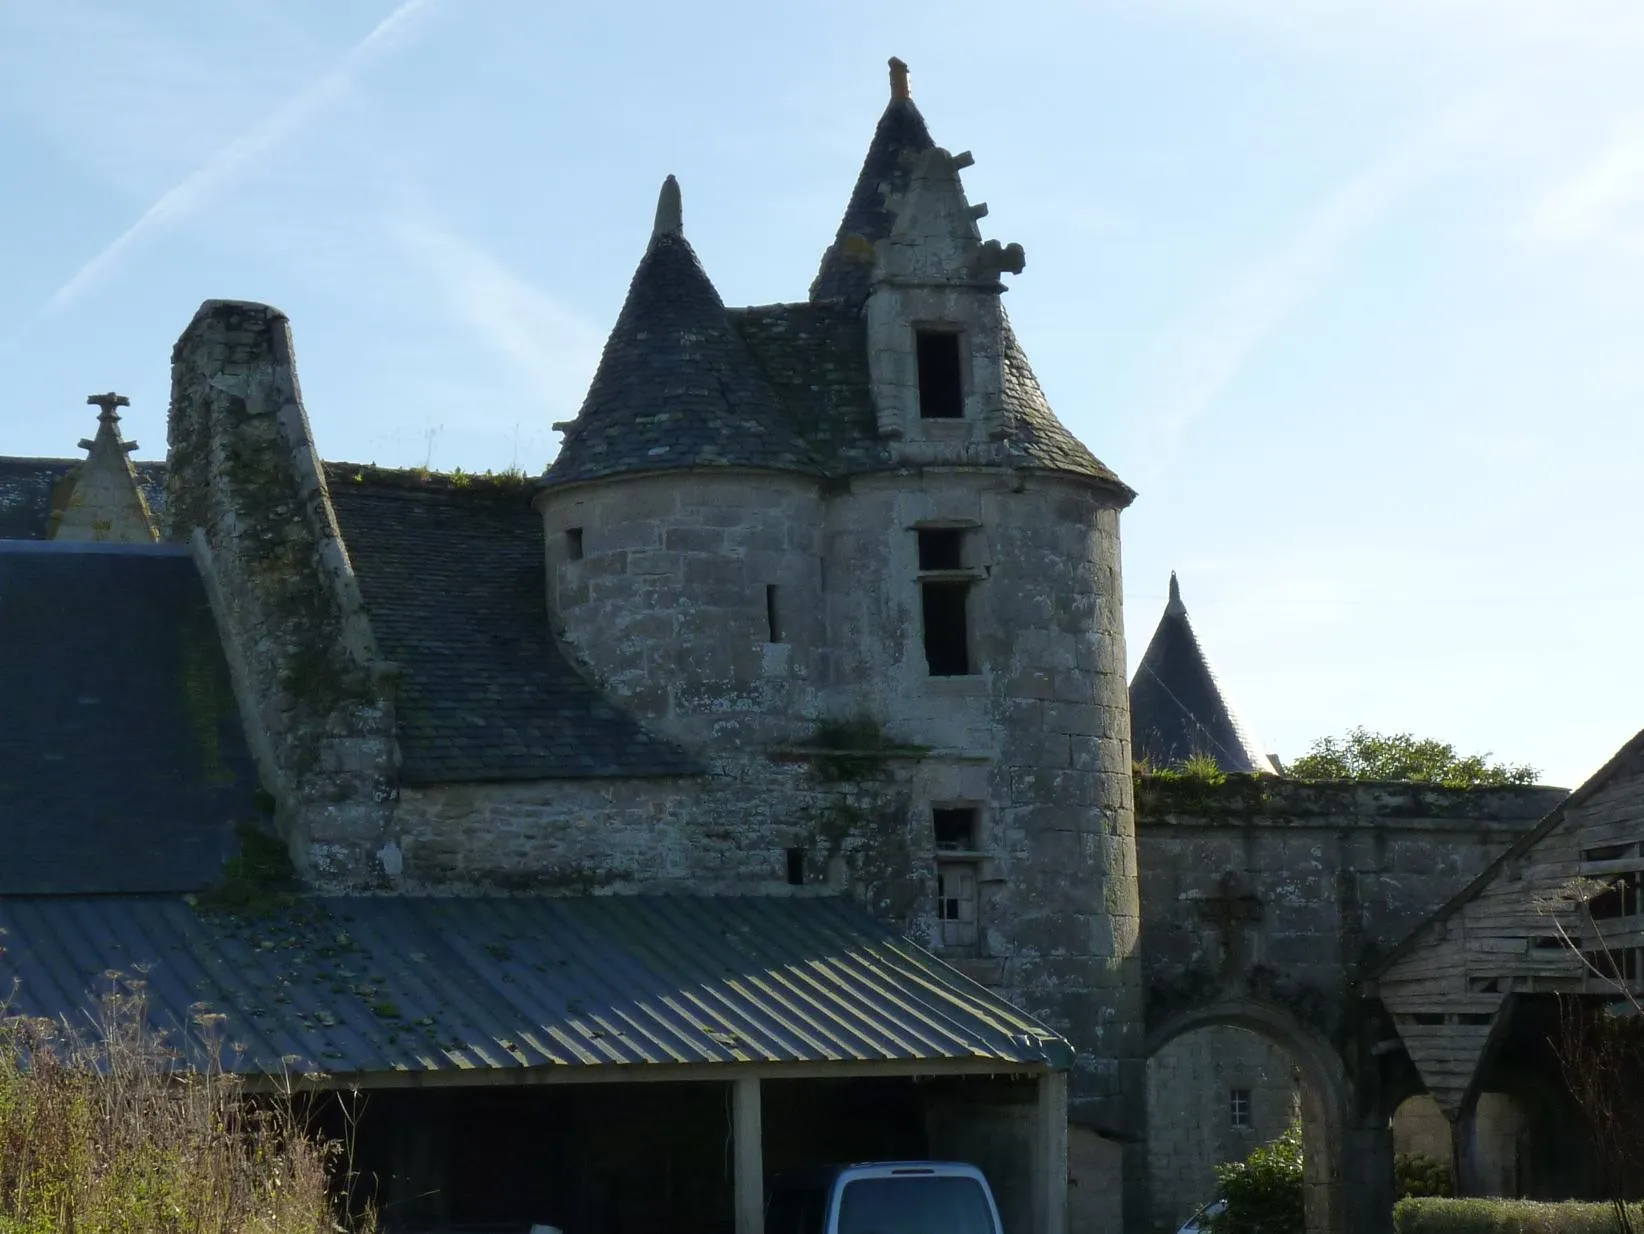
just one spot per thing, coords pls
(1264, 1191)
(1363, 755)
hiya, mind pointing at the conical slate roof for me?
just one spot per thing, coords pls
(676, 386)
(1177, 709)
(847, 266)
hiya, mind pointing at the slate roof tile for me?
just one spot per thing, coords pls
(453, 584)
(123, 766)
(847, 266)
(27, 486)
(1177, 708)
(676, 386)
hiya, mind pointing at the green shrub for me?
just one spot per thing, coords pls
(1487, 1216)
(1417, 1174)
(1264, 1191)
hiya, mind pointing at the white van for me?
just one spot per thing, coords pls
(886, 1197)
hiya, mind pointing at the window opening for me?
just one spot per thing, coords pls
(796, 867)
(1609, 852)
(1238, 1107)
(947, 638)
(941, 383)
(941, 548)
(573, 543)
(956, 904)
(955, 828)
(773, 617)
(1620, 898)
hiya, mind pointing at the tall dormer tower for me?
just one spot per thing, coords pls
(977, 611)
(935, 326)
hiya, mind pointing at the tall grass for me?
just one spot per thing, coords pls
(1492, 1216)
(104, 1131)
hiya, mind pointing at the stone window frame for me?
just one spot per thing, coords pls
(1241, 1108)
(976, 848)
(969, 575)
(959, 933)
(967, 382)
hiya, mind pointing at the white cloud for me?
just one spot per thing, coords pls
(1603, 202)
(200, 187)
(551, 349)
(1197, 362)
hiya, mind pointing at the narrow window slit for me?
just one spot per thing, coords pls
(773, 616)
(573, 543)
(796, 867)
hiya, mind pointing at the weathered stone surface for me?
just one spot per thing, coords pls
(244, 485)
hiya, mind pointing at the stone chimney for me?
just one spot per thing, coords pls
(245, 487)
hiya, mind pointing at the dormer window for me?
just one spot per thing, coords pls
(941, 374)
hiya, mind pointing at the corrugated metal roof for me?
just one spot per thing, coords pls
(379, 985)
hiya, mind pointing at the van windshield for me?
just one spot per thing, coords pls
(914, 1205)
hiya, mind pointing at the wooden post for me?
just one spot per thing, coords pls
(1051, 1156)
(748, 1136)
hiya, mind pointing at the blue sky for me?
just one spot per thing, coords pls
(1351, 290)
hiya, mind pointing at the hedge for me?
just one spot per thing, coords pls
(1486, 1216)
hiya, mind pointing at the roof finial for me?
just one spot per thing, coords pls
(899, 79)
(108, 402)
(1175, 605)
(670, 216)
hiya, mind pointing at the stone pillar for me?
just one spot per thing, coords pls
(748, 1139)
(1362, 1202)
(1050, 1157)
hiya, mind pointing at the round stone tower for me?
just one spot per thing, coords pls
(862, 510)
(683, 517)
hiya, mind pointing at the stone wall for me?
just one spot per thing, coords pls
(658, 587)
(1189, 1112)
(1280, 891)
(658, 584)
(244, 485)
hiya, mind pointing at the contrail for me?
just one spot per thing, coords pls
(191, 193)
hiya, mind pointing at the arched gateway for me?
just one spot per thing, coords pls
(1266, 902)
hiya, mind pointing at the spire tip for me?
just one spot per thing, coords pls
(1175, 605)
(670, 216)
(899, 79)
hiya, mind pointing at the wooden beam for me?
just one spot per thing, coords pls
(635, 1073)
(749, 1141)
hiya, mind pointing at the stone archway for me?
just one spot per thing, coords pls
(1326, 1093)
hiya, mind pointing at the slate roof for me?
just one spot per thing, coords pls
(454, 586)
(26, 488)
(815, 358)
(1034, 437)
(369, 987)
(1177, 709)
(847, 266)
(123, 767)
(676, 386)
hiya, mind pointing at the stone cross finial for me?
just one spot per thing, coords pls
(108, 402)
(899, 79)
